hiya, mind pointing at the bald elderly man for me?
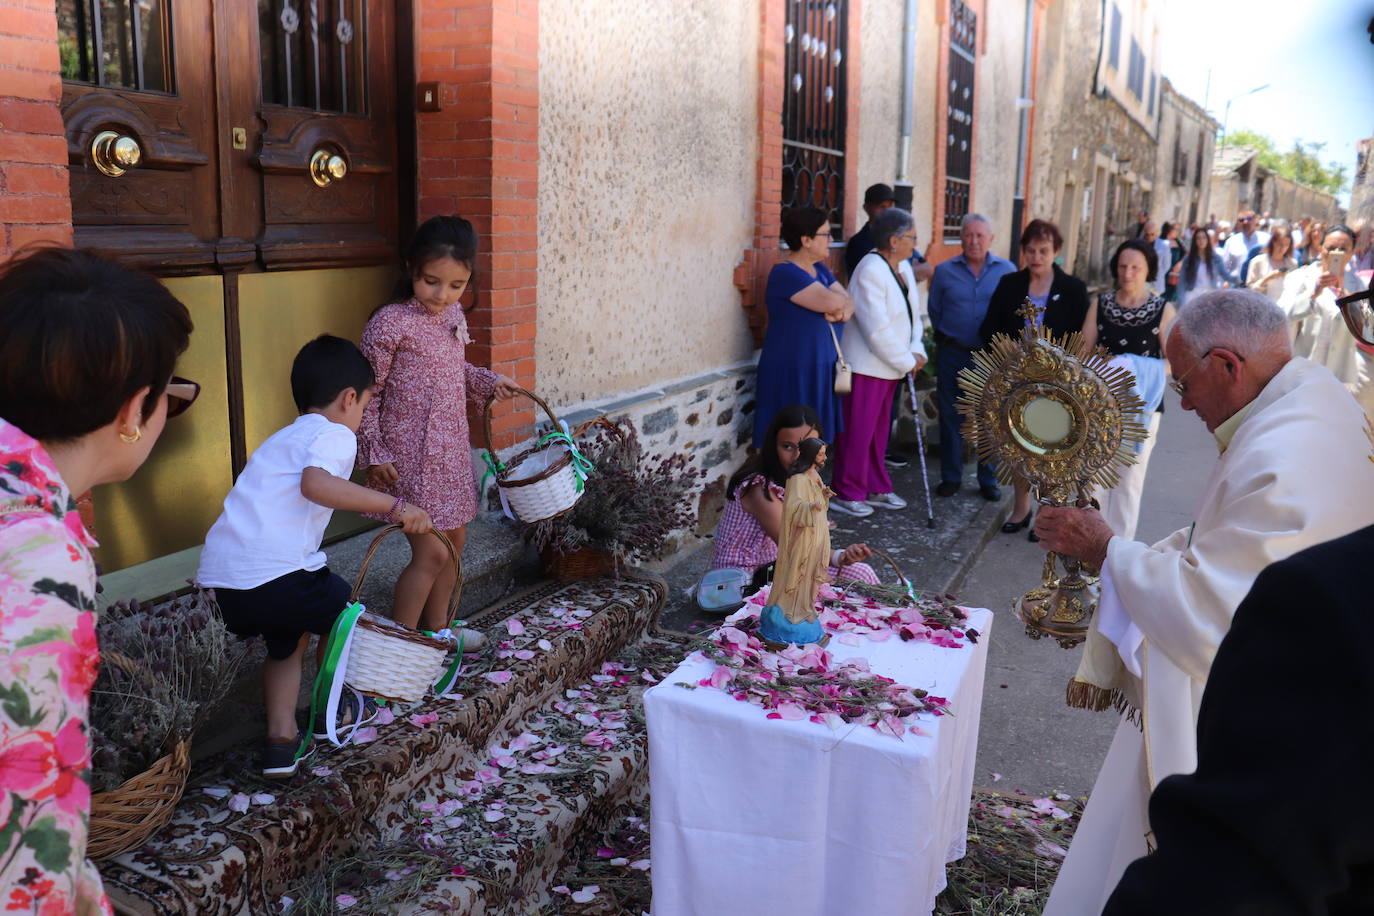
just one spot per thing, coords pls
(1290, 475)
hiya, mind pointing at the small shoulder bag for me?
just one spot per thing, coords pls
(844, 376)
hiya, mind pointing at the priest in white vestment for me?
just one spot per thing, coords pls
(1291, 474)
(1309, 299)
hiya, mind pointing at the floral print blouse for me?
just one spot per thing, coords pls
(48, 662)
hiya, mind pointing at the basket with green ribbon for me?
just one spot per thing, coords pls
(378, 657)
(543, 481)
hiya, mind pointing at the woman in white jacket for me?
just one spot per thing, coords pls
(881, 345)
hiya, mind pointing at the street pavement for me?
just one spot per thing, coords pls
(1029, 736)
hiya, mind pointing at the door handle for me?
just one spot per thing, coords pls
(115, 153)
(327, 167)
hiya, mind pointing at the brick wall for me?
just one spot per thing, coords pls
(35, 205)
(478, 158)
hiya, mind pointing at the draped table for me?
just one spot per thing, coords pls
(770, 817)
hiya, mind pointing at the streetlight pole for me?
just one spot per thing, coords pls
(1227, 116)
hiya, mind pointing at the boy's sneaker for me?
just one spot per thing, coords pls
(280, 759)
(851, 507)
(348, 714)
(896, 461)
(886, 501)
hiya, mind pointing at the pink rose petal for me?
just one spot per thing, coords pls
(515, 627)
(499, 677)
(238, 802)
(344, 901)
(365, 734)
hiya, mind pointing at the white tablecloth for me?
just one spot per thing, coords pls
(766, 817)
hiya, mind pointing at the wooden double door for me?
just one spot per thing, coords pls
(216, 136)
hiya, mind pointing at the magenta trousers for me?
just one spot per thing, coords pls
(862, 447)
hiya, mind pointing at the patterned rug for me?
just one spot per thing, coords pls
(237, 842)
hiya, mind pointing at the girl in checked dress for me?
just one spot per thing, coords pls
(414, 439)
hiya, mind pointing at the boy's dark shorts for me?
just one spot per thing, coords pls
(281, 610)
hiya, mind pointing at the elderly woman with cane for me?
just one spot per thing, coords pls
(87, 350)
(883, 345)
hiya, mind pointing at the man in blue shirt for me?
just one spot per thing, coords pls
(959, 293)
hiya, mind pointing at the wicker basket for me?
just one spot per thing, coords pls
(392, 662)
(539, 482)
(584, 563)
(124, 818)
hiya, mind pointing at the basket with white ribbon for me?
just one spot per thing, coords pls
(378, 657)
(545, 479)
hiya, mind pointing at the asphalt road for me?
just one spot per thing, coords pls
(1028, 736)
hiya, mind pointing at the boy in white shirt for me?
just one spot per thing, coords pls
(262, 556)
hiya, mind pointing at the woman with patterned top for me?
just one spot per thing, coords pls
(747, 533)
(1131, 319)
(87, 350)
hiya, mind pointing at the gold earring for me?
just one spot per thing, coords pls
(138, 434)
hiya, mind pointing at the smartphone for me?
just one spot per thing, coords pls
(1335, 261)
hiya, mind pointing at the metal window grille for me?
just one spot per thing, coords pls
(124, 44)
(314, 54)
(963, 44)
(814, 106)
(1152, 94)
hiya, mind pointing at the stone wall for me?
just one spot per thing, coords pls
(709, 417)
(1095, 162)
(648, 136)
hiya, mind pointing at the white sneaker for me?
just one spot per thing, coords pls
(886, 501)
(851, 507)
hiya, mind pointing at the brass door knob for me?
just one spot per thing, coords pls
(327, 167)
(115, 153)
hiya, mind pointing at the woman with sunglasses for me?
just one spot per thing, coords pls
(87, 350)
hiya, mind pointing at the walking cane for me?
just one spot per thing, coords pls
(921, 450)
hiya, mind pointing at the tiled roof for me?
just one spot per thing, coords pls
(1230, 158)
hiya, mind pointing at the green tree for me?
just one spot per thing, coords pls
(1302, 163)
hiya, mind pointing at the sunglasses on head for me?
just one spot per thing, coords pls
(181, 394)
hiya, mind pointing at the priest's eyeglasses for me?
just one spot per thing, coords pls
(1358, 311)
(1180, 384)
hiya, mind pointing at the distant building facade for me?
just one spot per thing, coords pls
(1099, 98)
(1183, 168)
(1239, 182)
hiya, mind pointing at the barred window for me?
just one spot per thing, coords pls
(314, 54)
(1114, 48)
(963, 44)
(814, 106)
(121, 44)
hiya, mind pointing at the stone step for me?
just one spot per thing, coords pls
(496, 560)
(495, 846)
(212, 860)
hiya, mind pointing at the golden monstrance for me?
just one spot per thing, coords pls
(1059, 419)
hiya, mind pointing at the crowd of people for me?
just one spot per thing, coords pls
(1271, 366)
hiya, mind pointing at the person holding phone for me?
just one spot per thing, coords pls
(1309, 299)
(1267, 269)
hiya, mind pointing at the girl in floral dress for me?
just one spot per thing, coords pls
(414, 441)
(748, 531)
(84, 408)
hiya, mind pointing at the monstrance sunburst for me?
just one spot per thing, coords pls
(1060, 419)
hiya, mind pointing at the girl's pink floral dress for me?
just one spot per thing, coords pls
(418, 421)
(48, 662)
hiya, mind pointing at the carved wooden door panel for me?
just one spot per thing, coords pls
(140, 127)
(209, 136)
(326, 151)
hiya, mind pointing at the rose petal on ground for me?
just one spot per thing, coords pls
(640, 865)
(384, 716)
(545, 645)
(996, 777)
(216, 791)
(499, 677)
(515, 627)
(491, 815)
(263, 798)
(420, 720)
(605, 852)
(620, 861)
(524, 654)
(238, 802)
(321, 771)
(364, 735)
(562, 889)
(344, 901)
(586, 895)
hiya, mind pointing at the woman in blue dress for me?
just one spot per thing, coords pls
(797, 365)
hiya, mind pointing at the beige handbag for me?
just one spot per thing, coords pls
(844, 376)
